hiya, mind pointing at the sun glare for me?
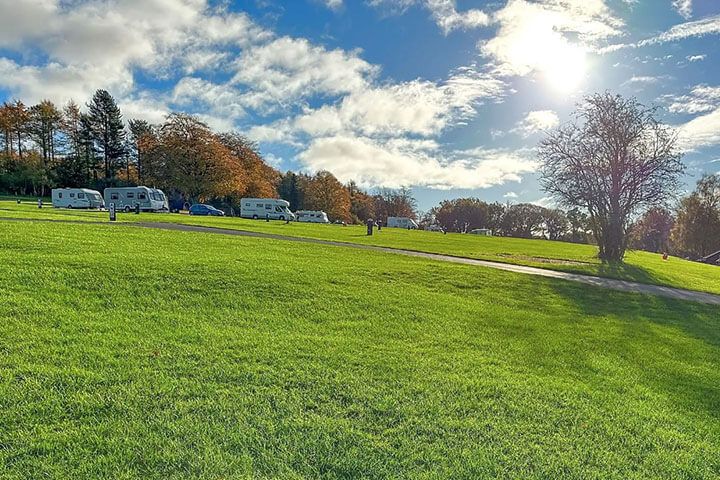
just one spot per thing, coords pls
(564, 69)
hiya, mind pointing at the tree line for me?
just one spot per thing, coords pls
(45, 146)
(614, 171)
(690, 229)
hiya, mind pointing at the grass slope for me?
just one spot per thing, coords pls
(639, 266)
(133, 353)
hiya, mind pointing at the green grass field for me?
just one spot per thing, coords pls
(639, 266)
(137, 353)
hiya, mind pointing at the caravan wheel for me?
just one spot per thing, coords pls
(127, 208)
(255, 217)
(70, 207)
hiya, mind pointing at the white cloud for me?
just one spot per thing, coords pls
(702, 98)
(702, 131)
(643, 80)
(287, 69)
(510, 195)
(444, 13)
(61, 83)
(697, 28)
(695, 58)
(333, 4)
(683, 7)
(536, 121)
(372, 163)
(220, 99)
(98, 44)
(417, 107)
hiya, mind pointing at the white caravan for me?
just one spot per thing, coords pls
(272, 208)
(312, 216)
(149, 199)
(76, 198)
(401, 222)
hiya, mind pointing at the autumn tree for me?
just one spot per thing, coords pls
(522, 220)
(395, 203)
(189, 158)
(14, 123)
(45, 121)
(324, 192)
(462, 214)
(362, 205)
(651, 232)
(614, 160)
(260, 178)
(697, 227)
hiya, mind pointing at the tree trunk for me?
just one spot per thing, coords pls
(612, 248)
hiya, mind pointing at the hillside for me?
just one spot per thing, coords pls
(136, 353)
(639, 266)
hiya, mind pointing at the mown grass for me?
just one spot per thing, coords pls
(136, 353)
(639, 266)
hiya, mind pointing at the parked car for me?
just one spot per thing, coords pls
(434, 228)
(272, 208)
(202, 209)
(76, 198)
(482, 231)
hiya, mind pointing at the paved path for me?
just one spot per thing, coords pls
(623, 285)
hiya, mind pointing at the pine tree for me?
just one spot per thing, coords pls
(108, 132)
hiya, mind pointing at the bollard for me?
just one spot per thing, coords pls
(137, 209)
(267, 217)
(370, 224)
(111, 209)
(39, 202)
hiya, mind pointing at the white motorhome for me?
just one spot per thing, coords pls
(76, 198)
(126, 198)
(401, 222)
(312, 216)
(272, 208)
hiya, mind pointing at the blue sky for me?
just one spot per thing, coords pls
(449, 97)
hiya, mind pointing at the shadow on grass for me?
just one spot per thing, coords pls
(669, 358)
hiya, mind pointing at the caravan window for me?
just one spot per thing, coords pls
(278, 209)
(268, 206)
(59, 194)
(81, 195)
(72, 195)
(141, 196)
(130, 195)
(259, 205)
(113, 196)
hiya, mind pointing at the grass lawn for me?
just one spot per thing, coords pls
(639, 266)
(136, 353)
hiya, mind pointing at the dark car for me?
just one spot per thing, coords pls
(202, 209)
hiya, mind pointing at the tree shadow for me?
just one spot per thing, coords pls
(669, 359)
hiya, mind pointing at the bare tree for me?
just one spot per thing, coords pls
(614, 160)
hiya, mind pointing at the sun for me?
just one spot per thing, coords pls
(564, 67)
